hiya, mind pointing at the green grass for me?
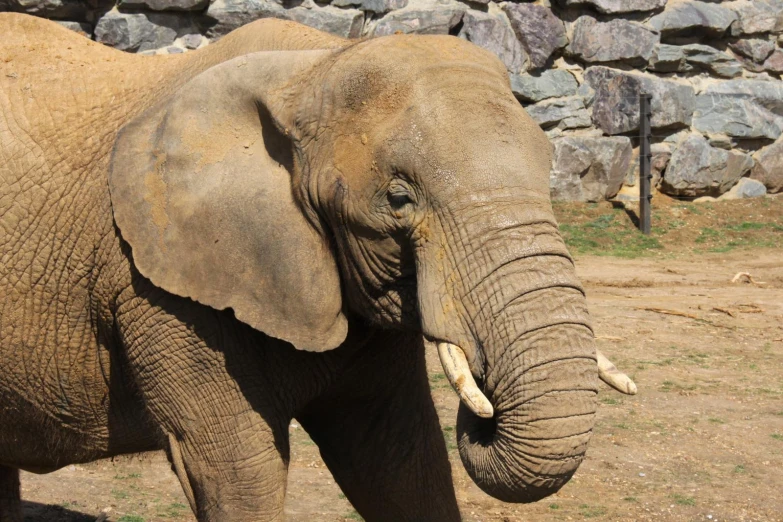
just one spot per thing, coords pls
(130, 518)
(128, 476)
(588, 511)
(119, 494)
(353, 515)
(554, 506)
(630, 499)
(683, 500)
(715, 420)
(739, 468)
(608, 236)
(611, 401)
(777, 436)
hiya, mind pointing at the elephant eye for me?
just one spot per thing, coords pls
(399, 194)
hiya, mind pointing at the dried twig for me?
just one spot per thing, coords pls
(724, 310)
(668, 312)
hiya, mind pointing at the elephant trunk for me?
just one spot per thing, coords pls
(522, 330)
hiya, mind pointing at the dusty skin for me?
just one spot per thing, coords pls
(704, 436)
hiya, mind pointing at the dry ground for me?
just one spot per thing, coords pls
(703, 439)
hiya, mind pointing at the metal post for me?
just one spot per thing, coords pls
(645, 172)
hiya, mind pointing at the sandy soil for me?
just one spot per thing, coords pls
(703, 439)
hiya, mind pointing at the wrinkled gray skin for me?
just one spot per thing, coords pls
(274, 236)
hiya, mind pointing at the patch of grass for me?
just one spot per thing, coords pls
(716, 420)
(747, 225)
(353, 515)
(130, 518)
(341, 496)
(630, 499)
(777, 436)
(739, 468)
(683, 500)
(128, 476)
(611, 401)
(554, 506)
(622, 426)
(588, 511)
(119, 494)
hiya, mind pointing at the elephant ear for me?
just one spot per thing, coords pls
(201, 188)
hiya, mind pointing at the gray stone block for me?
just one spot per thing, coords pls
(693, 18)
(712, 60)
(562, 113)
(668, 58)
(616, 105)
(347, 23)
(755, 49)
(745, 188)
(617, 6)
(757, 16)
(165, 5)
(696, 169)
(223, 16)
(741, 109)
(141, 31)
(588, 168)
(421, 17)
(538, 29)
(769, 167)
(614, 41)
(82, 28)
(553, 83)
(493, 33)
(372, 6)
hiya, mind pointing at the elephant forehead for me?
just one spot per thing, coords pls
(383, 71)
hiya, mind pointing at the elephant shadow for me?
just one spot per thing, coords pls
(36, 512)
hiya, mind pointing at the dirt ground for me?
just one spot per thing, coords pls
(703, 439)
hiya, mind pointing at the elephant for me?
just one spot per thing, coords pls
(198, 248)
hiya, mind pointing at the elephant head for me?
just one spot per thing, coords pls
(396, 181)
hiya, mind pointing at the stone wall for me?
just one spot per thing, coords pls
(578, 66)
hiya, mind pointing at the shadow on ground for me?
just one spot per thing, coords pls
(35, 512)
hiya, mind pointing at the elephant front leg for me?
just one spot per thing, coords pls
(206, 388)
(378, 432)
(10, 500)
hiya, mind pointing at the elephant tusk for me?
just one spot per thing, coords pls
(609, 373)
(455, 365)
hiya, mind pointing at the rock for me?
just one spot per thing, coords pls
(617, 6)
(587, 93)
(693, 18)
(141, 31)
(192, 41)
(775, 62)
(563, 113)
(745, 188)
(668, 58)
(493, 33)
(538, 29)
(753, 48)
(165, 5)
(82, 28)
(661, 154)
(173, 49)
(757, 16)
(769, 167)
(587, 168)
(347, 23)
(712, 60)
(422, 17)
(696, 169)
(372, 6)
(614, 41)
(616, 105)
(553, 83)
(223, 16)
(720, 141)
(741, 109)
(55, 9)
